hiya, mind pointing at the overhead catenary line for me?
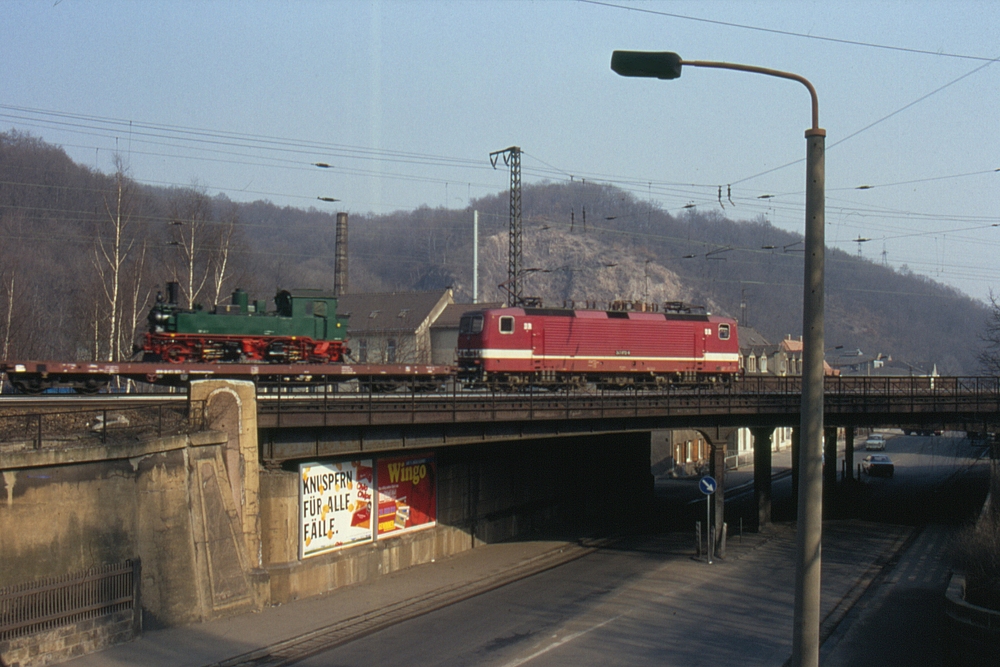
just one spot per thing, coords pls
(787, 33)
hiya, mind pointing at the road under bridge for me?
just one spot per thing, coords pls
(233, 535)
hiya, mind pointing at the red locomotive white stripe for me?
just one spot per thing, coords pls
(731, 357)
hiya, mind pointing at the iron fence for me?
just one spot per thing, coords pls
(38, 606)
(34, 429)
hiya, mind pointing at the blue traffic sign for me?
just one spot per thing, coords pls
(707, 485)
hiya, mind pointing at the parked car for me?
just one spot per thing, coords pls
(876, 441)
(878, 465)
(921, 431)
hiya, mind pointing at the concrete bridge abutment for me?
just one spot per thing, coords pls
(486, 493)
(761, 476)
(718, 438)
(849, 452)
(217, 531)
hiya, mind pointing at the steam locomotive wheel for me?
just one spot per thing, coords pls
(176, 354)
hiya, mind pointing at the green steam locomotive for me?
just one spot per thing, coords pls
(304, 327)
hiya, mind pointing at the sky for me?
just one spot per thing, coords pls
(406, 100)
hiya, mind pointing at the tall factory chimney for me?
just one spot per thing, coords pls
(340, 266)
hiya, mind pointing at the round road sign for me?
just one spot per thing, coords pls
(707, 485)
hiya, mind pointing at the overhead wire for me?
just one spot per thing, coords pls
(787, 33)
(146, 132)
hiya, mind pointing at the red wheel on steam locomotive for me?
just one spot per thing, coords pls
(176, 353)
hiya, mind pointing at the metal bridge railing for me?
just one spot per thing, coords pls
(361, 405)
(35, 429)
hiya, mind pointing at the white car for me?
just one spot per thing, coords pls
(876, 441)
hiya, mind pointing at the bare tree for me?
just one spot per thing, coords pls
(8, 310)
(12, 288)
(226, 244)
(989, 356)
(139, 292)
(111, 255)
(392, 347)
(190, 218)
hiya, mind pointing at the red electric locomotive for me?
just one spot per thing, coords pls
(518, 346)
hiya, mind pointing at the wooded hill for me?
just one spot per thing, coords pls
(83, 254)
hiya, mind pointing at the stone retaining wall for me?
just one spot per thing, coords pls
(68, 641)
(973, 631)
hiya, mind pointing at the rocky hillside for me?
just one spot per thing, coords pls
(581, 242)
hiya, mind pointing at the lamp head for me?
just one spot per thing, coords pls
(653, 64)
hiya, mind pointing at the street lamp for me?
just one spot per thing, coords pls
(805, 638)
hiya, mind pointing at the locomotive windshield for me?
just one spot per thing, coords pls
(470, 324)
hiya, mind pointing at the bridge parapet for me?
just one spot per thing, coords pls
(344, 423)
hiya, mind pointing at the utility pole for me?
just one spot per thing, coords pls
(743, 305)
(512, 158)
(340, 256)
(475, 257)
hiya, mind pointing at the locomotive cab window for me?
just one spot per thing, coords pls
(506, 324)
(723, 332)
(470, 324)
(319, 308)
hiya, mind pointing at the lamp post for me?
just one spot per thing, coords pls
(805, 635)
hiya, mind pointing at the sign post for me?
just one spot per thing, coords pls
(707, 485)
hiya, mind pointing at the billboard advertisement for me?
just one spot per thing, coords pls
(335, 505)
(407, 493)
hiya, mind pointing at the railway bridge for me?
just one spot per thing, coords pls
(315, 424)
(269, 496)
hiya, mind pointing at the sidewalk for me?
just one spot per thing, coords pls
(262, 638)
(754, 575)
(385, 600)
(245, 639)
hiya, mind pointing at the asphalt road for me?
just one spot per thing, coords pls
(645, 601)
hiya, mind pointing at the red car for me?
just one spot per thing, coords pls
(516, 346)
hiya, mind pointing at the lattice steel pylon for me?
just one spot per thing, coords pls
(512, 158)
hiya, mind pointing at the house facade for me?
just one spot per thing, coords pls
(393, 327)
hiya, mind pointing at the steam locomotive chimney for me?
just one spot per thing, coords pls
(340, 254)
(173, 291)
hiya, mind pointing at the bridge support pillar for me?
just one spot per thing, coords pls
(230, 406)
(762, 476)
(849, 452)
(717, 438)
(829, 465)
(796, 448)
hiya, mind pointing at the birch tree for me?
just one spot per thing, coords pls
(140, 289)
(189, 223)
(113, 245)
(226, 246)
(12, 288)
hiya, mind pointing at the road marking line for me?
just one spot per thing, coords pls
(564, 640)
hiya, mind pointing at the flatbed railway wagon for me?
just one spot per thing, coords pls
(36, 377)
